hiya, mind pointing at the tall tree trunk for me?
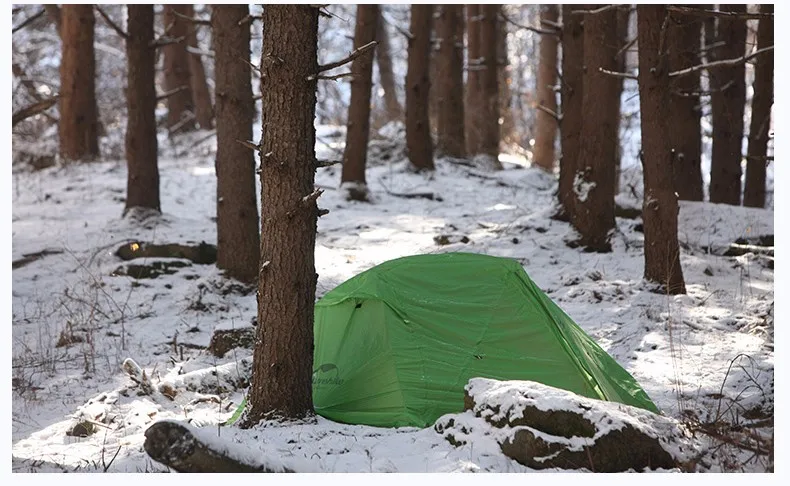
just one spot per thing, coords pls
(142, 182)
(728, 86)
(238, 240)
(180, 106)
(545, 124)
(283, 355)
(386, 75)
(571, 93)
(623, 23)
(660, 208)
(593, 209)
(507, 130)
(78, 126)
(472, 93)
(418, 130)
(489, 90)
(204, 109)
(762, 100)
(683, 48)
(358, 126)
(450, 87)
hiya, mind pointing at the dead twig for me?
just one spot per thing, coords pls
(196, 21)
(354, 54)
(550, 112)
(334, 77)
(166, 41)
(701, 12)
(595, 11)
(28, 21)
(118, 30)
(170, 93)
(536, 30)
(618, 75)
(32, 110)
(723, 63)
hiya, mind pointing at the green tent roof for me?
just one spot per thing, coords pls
(395, 345)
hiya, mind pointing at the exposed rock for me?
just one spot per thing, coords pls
(544, 427)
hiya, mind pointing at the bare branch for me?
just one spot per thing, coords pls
(354, 54)
(723, 63)
(334, 77)
(312, 197)
(196, 21)
(552, 24)
(322, 212)
(200, 52)
(326, 163)
(249, 144)
(118, 30)
(28, 20)
(527, 27)
(166, 41)
(32, 110)
(249, 18)
(595, 11)
(618, 75)
(701, 12)
(168, 94)
(627, 46)
(550, 112)
(257, 68)
(689, 94)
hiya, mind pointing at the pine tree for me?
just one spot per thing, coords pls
(358, 125)
(660, 208)
(142, 183)
(450, 81)
(418, 130)
(545, 123)
(238, 241)
(177, 82)
(78, 128)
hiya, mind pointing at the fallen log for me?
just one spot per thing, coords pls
(177, 446)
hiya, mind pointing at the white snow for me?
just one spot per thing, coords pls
(680, 348)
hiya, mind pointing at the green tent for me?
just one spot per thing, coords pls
(395, 345)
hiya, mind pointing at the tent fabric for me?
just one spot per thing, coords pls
(396, 344)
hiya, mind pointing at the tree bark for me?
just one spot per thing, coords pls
(472, 93)
(238, 240)
(180, 106)
(593, 209)
(53, 11)
(571, 93)
(418, 130)
(176, 446)
(358, 126)
(283, 355)
(386, 75)
(450, 87)
(727, 106)
(660, 208)
(623, 24)
(142, 182)
(78, 126)
(545, 124)
(489, 90)
(762, 100)
(683, 46)
(204, 109)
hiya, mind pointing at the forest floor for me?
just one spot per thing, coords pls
(706, 357)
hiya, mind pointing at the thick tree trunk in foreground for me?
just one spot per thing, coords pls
(283, 356)
(418, 130)
(683, 46)
(450, 79)
(175, 445)
(728, 85)
(593, 209)
(762, 100)
(472, 93)
(660, 208)
(545, 124)
(358, 127)
(142, 182)
(489, 90)
(204, 109)
(386, 75)
(238, 241)
(571, 93)
(78, 128)
(180, 106)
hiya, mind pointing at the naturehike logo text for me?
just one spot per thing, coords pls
(327, 374)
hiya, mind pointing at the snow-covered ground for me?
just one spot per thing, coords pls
(704, 355)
